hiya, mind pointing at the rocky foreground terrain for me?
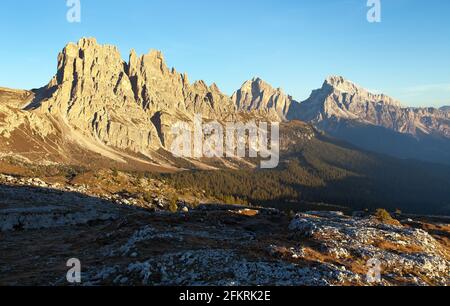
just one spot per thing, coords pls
(123, 243)
(80, 158)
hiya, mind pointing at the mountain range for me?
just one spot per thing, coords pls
(101, 111)
(375, 122)
(97, 101)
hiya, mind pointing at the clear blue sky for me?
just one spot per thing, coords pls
(293, 44)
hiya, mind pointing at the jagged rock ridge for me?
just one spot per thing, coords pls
(99, 104)
(128, 106)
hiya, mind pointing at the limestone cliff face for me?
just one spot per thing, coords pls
(340, 99)
(130, 106)
(257, 95)
(167, 96)
(92, 93)
(159, 88)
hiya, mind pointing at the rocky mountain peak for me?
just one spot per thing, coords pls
(200, 85)
(258, 86)
(107, 102)
(340, 99)
(339, 83)
(335, 80)
(215, 88)
(258, 95)
(344, 86)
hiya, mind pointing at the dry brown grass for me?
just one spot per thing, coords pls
(398, 248)
(385, 217)
(247, 212)
(8, 168)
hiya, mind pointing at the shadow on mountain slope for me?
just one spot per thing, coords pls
(423, 147)
(27, 207)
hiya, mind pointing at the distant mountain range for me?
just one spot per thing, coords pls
(349, 112)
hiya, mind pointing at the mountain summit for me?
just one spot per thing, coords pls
(257, 95)
(376, 122)
(342, 99)
(339, 99)
(340, 84)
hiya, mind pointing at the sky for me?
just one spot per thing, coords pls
(292, 44)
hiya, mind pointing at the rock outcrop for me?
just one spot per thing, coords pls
(158, 88)
(24, 133)
(15, 97)
(398, 249)
(209, 245)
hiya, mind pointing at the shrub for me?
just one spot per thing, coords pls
(292, 214)
(230, 200)
(196, 202)
(173, 206)
(384, 216)
(147, 196)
